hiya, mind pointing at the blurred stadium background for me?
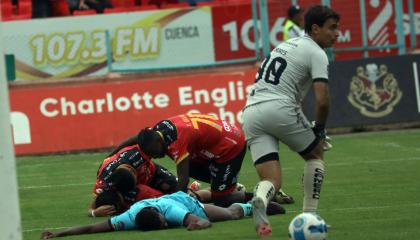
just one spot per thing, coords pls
(81, 79)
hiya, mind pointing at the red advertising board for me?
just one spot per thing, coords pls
(233, 32)
(97, 115)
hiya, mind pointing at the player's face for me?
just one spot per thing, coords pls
(327, 35)
(299, 19)
(156, 149)
(164, 223)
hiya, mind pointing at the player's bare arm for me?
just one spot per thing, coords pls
(88, 229)
(183, 172)
(92, 207)
(322, 101)
(128, 142)
(193, 222)
(102, 211)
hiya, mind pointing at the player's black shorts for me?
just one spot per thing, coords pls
(162, 175)
(221, 176)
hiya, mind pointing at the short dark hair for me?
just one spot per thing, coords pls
(319, 15)
(123, 180)
(109, 198)
(293, 11)
(148, 219)
(146, 136)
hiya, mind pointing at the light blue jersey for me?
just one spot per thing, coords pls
(174, 208)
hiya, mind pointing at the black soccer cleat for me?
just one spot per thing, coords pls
(275, 208)
(282, 198)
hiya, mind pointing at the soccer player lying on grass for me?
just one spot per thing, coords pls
(133, 174)
(115, 201)
(173, 210)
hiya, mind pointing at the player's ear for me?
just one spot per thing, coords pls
(315, 29)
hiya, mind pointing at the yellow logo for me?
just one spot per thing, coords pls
(374, 91)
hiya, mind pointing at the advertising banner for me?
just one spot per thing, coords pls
(378, 90)
(76, 46)
(233, 32)
(98, 115)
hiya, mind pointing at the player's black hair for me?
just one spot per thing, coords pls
(148, 219)
(123, 180)
(319, 15)
(145, 137)
(293, 11)
(109, 198)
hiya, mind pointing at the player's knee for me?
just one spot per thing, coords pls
(221, 201)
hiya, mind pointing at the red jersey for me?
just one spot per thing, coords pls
(201, 137)
(131, 155)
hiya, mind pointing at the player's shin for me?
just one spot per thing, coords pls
(246, 209)
(313, 176)
(264, 190)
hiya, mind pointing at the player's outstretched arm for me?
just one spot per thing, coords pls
(102, 211)
(193, 222)
(128, 142)
(93, 228)
(183, 172)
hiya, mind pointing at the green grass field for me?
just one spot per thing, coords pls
(371, 191)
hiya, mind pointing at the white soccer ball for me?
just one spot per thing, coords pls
(307, 226)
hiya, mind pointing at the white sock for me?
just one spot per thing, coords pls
(313, 176)
(265, 190)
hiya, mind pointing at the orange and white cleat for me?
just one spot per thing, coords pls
(264, 230)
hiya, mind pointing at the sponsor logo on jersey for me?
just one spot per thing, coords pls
(208, 154)
(374, 91)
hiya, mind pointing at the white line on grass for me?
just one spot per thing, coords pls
(292, 211)
(43, 229)
(54, 186)
(375, 161)
(284, 169)
(366, 208)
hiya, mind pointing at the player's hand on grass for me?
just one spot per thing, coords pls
(47, 235)
(201, 224)
(105, 210)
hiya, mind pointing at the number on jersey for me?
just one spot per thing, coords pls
(273, 69)
(196, 119)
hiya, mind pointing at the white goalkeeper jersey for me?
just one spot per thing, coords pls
(289, 71)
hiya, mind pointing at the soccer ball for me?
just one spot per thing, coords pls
(307, 226)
